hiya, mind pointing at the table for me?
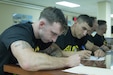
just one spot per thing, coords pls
(17, 70)
(100, 64)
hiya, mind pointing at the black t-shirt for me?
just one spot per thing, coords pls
(85, 39)
(17, 32)
(89, 38)
(99, 40)
(69, 43)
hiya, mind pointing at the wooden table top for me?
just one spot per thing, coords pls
(18, 70)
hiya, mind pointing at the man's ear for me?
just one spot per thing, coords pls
(41, 24)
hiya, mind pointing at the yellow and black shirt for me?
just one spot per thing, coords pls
(69, 43)
(14, 33)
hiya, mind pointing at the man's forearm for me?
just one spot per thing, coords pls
(95, 48)
(90, 46)
(67, 53)
(33, 61)
(41, 61)
(44, 61)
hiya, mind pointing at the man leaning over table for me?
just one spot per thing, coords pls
(23, 43)
(69, 43)
(72, 41)
(96, 50)
(99, 39)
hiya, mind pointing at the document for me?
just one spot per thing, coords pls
(89, 70)
(95, 58)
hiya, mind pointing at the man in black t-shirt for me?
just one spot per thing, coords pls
(96, 51)
(23, 43)
(90, 44)
(72, 41)
(89, 36)
(99, 39)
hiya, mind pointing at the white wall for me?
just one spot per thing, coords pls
(7, 10)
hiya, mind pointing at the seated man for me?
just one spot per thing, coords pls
(21, 43)
(99, 39)
(71, 42)
(95, 48)
(89, 39)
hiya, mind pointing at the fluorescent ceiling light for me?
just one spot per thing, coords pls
(68, 4)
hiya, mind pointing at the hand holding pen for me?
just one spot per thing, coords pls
(85, 54)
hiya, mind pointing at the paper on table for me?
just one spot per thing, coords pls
(81, 65)
(96, 58)
(89, 70)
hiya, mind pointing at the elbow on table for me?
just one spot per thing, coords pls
(29, 66)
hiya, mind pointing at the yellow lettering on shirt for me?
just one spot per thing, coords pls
(37, 49)
(68, 48)
(105, 42)
(75, 48)
(71, 48)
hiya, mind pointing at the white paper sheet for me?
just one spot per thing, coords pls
(89, 70)
(96, 58)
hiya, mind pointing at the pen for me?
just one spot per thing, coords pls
(83, 47)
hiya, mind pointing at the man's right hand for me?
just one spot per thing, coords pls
(84, 54)
(73, 60)
(99, 53)
(105, 48)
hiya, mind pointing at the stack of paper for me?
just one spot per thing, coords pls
(89, 70)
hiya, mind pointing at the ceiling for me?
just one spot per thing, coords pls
(89, 7)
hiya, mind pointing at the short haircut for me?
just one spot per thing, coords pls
(101, 22)
(85, 18)
(93, 19)
(53, 14)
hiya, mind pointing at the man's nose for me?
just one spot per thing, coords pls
(54, 38)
